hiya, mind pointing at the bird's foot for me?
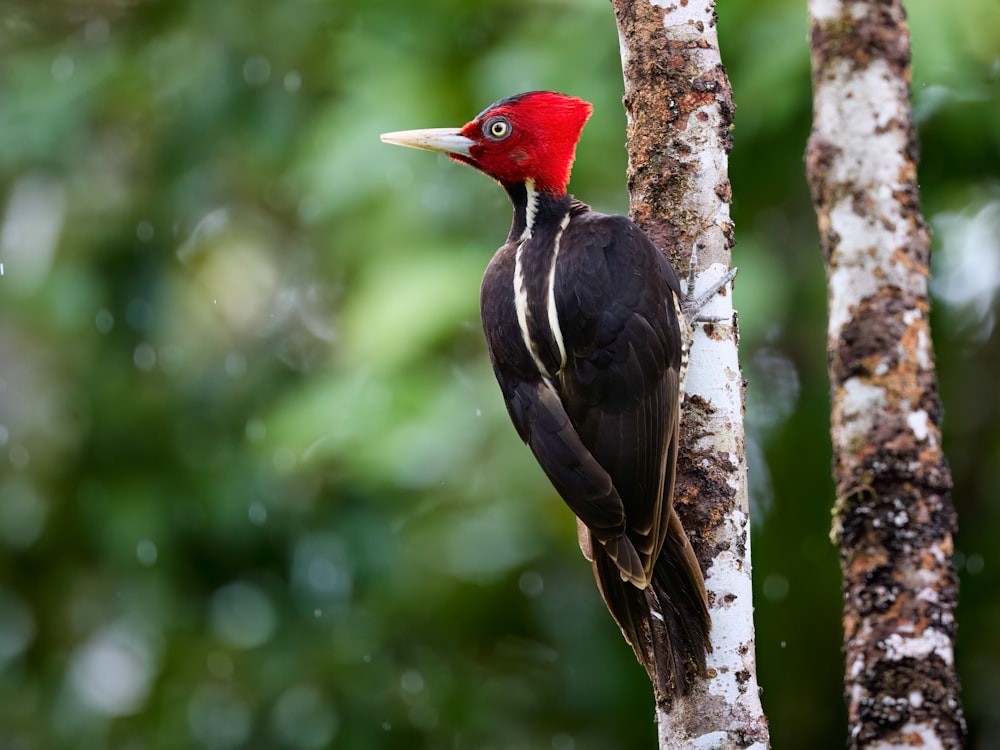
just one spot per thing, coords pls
(692, 304)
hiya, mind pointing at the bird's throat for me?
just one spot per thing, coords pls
(530, 203)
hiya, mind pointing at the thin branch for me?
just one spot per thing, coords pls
(894, 518)
(680, 108)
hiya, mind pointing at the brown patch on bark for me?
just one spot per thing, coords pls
(820, 156)
(875, 35)
(664, 89)
(897, 591)
(868, 341)
(703, 474)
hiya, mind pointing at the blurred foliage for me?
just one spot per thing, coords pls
(257, 488)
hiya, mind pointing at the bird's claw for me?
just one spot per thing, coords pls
(693, 304)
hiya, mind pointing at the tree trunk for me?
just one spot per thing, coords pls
(894, 518)
(680, 108)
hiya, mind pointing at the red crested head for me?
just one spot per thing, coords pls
(529, 136)
(526, 137)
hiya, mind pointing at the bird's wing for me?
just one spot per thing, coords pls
(540, 418)
(538, 413)
(603, 430)
(620, 386)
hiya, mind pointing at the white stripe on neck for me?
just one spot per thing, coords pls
(521, 304)
(552, 310)
(530, 209)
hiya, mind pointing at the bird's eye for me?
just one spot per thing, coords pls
(496, 128)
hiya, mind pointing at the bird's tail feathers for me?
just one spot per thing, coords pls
(667, 623)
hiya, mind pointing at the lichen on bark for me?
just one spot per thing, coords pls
(893, 519)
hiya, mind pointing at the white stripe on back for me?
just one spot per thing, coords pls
(553, 311)
(521, 306)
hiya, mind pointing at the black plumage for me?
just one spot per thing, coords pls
(596, 397)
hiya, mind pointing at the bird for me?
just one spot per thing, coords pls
(588, 334)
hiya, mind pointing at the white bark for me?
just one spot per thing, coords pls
(894, 519)
(719, 710)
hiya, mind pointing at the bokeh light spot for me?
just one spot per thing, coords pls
(146, 553)
(218, 718)
(304, 718)
(775, 587)
(112, 672)
(17, 626)
(22, 512)
(242, 615)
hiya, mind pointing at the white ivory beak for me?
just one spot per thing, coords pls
(445, 140)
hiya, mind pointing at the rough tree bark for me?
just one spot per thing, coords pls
(680, 109)
(894, 518)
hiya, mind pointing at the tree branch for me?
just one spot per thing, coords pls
(679, 106)
(894, 518)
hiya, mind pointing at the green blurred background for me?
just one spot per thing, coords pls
(257, 487)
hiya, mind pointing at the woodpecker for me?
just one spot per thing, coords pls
(587, 331)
